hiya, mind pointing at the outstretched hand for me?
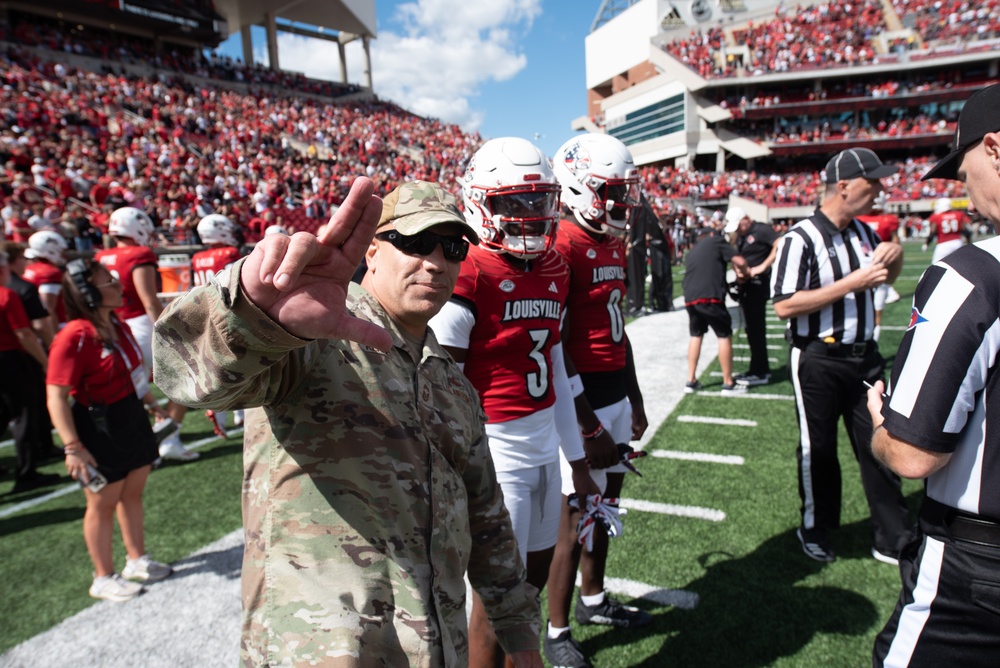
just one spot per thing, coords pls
(301, 281)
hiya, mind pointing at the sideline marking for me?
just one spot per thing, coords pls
(746, 346)
(696, 512)
(73, 487)
(748, 395)
(894, 328)
(772, 360)
(698, 457)
(678, 598)
(776, 336)
(705, 419)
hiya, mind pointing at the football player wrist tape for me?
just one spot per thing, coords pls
(575, 386)
(599, 512)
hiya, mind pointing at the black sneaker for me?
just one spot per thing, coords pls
(564, 652)
(692, 386)
(611, 613)
(815, 545)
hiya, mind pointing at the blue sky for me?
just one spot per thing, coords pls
(503, 67)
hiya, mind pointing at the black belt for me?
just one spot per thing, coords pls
(939, 519)
(857, 349)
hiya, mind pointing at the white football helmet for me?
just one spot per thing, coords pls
(276, 229)
(133, 224)
(217, 229)
(881, 200)
(511, 197)
(47, 245)
(600, 182)
(942, 205)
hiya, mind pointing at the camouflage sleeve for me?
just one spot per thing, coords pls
(495, 568)
(213, 348)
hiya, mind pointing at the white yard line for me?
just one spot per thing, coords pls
(695, 512)
(706, 419)
(748, 395)
(73, 487)
(678, 598)
(746, 346)
(698, 457)
(772, 360)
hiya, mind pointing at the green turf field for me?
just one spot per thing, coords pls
(761, 602)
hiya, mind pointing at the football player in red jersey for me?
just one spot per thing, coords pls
(47, 249)
(600, 187)
(949, 227)
(133, 264)
(223, 239)
(502, 325)
(886, 226)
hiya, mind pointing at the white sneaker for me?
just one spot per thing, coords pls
(893, 296)
(218, 420)
(145, 569)
(114, 588)
(885, 558)
(171, 448)
(238, 418)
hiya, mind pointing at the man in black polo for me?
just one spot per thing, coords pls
(940, 424)
(756, 242)
(823, 283)
(705, 300)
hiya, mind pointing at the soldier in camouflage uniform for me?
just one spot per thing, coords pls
(368, 485)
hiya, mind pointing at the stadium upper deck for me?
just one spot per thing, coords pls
(760, 87)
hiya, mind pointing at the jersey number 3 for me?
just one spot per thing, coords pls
(537, 382)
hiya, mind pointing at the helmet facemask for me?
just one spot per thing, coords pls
(523, 219)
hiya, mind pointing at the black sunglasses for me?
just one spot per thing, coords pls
(455, 248)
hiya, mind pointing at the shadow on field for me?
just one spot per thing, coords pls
(28, 521)
(753, 610)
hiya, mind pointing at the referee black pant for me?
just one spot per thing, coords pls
(756, 292)
(949, 611)
(829, 388)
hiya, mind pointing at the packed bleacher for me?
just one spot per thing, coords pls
(835, 35)
(77, 144)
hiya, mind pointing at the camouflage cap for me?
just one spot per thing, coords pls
(417, 205)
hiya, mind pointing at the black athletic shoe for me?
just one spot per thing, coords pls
(815, 545)
(611, 613)
(564, 652)
(692, 386)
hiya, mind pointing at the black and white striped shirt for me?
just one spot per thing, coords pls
(815, 253)
(945, 385)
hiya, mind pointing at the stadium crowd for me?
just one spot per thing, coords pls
(830, 35)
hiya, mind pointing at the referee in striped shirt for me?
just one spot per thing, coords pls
(941, 424)
(825, 273)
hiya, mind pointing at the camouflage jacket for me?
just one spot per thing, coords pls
(368, 488)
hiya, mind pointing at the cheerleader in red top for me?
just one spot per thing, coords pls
(105, 431)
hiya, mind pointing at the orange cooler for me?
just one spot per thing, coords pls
(175, 273)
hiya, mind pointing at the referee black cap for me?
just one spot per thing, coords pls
(856, 163)
(978, 118)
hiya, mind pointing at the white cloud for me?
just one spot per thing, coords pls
(432, 58)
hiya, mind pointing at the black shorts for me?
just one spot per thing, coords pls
(129, 446)
(715, 315)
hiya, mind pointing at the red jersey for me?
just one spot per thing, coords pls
(48, 279)
(594, 320)
(949, 225)
(12, 317)
(121, 262)
(518, 312)
(884, 224)
(97, 373)
(207, 263)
